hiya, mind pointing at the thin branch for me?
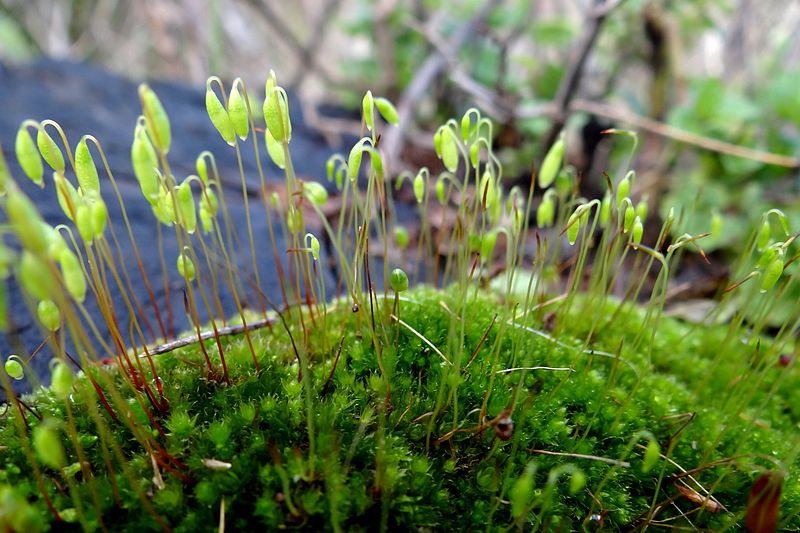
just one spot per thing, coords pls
(425, 76)
(206, 335)
(615, 462)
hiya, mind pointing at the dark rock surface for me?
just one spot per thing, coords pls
(84, 99)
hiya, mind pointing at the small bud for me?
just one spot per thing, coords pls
(237, 111)
(61, 379)
(67, 195)
(14, 367)
(651, 456)
(145, 164)
(440, 190)
(466, 126)
(276, 115)
(474, 154)
(99, 216)
(219, 116)
(71, 270)
(401, 237)
(419, 188)
(275, 150)
(772, 273)
(206, 221)
(28, 156)
(573, 227)
(637, 231)
(437, 142)
(551, 163)
(202, 168)
(354, 161)
(313, 245)
(577, 482)
(49, 315)
(47, 444)
(294, 220)
(641, 209)
(605, 209)
(83, 220)
(186, 267)
(186, 208)
(398, 280)
(716, 224)
(545, 214)
(630, 214)
(764, 236)
(387, 111)
(624, 187)
(487, 245)
(488, 191)
(368, 110)
(449, 150)
(156, 119)
(315, 192)
(85, 169)
(50, 151)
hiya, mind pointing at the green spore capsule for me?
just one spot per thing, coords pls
(275, 150)
(573, 227)
(74, 280)
(641, 209)
(624, 187)
(545, 214)
(313, 245)
(83, 220)
(398, 280)
(209, 201)
(577, 482)
(315, 192)
(50, 150)
(85, 169)
(651, 456)
(156, 119)
(98, 213)
(440, 191)
(14, 367)
(219, 116)
(67, 195)
(605, 209)
(35, 276)
(237, 111)
(28, 156)
(145, 163)
(772, 274)
(186, 267)
(764, 236)
(637, 231)
(368, 110)
(551, 163)
(449, 150)
(26, 222)
(47, 444)
(61, 379)
(186, 209)
(202, 168)
(401, 237)
(49, 315)
(487, 245)
(276, 115)
(630, 215)
(387, 110)
(419, 187)
(354, 161)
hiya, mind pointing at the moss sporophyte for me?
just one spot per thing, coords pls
(491, 376)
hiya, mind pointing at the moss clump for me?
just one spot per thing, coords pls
(409, 458)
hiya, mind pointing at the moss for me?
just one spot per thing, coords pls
(401, 464)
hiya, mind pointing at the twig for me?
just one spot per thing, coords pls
(572, 77)
(615, 462)
(206, 335)
(426, 74)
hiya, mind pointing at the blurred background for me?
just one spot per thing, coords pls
(712, 87)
